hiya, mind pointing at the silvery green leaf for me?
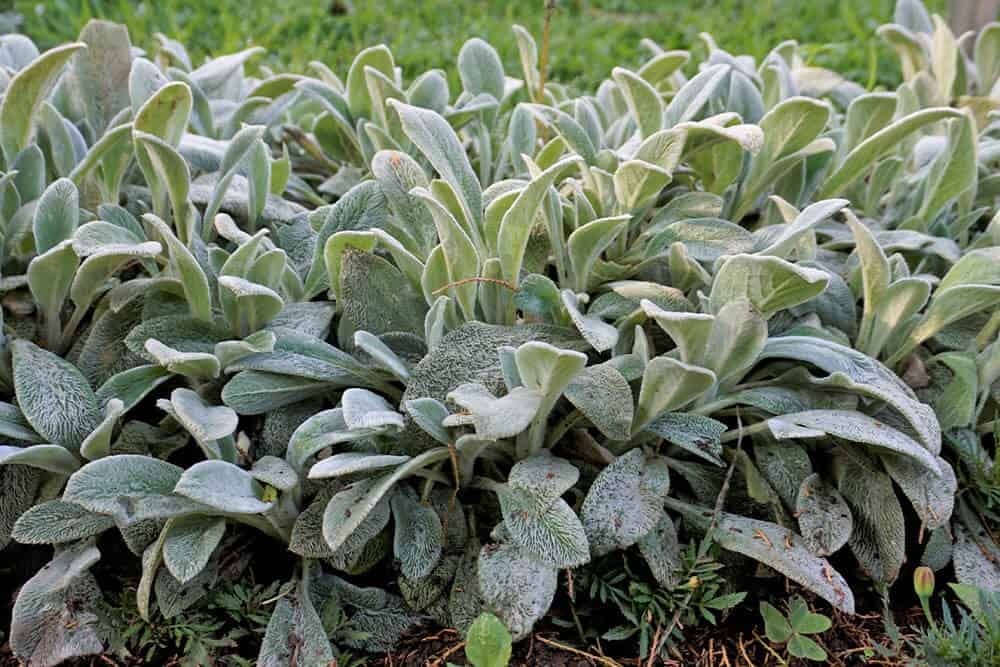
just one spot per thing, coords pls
(494, 418)
(223, 486)
(430, 91)
(364, 409)
(378, 58)
(219, 76)
(437, 141)
(196, 365)
(668, 384)
(57, 521)
(480, 69)
(538, 297)
(543, 477)
(776, 547)
(98, 443)
(954, 170)
(381, 353)
(878, 540)
(694, 95)
(275, 472)
(14, 425)
(307, 533)
(604, 397)
(469, 354)
(933, 498)
(53, 395)
(429, 414)
(546, 368)
(855, 427)
(518, 588)
(207, 423)
(567, 128)
(349, 508)
(50, 276)
(515, 226)
(25, 93)
(115, 484)
(57, 215)
(643, 101)
(738, 334)
(186, 268)
(954, 398)
(101, 71)
(878, 144)
(236, 152)
(599, 334)
(987, 55)
(350, 463)
(189, 544)
(89, 238)
(704, 239)
(971, 285)
(231, 351)
(306, 356)
(256, 304)
(180, 332)
(588, 241)
(419, 536)
(689, 331)
(17, 51)
(694, 433)
(54, 617)
(770, 284)
(373, 294)
(145, 78)
(625, 501)
(784, 465)
(52, 458)
(398, 174)
(866, 115)
(790, 234)
(322, 430)
(258, 180)
(295, 633)
(824, 517)
(974, 565)
(169, 178)
(853, 371)
(548, 531)
(661, 549)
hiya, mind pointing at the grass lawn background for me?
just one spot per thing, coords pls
(589, 37)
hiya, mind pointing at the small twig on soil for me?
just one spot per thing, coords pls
(769, 649)
(439, 660)
(600, 659)
(654, 648)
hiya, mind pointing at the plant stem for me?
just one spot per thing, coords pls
(543, 61)
(739, 433)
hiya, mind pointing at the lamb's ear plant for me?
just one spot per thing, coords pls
(475, 344)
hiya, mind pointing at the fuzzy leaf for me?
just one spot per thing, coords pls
(57, 521)
(625, 502)
(223, 486)
(190, 543)
(824, 517)
(54, 396)
(515, 586)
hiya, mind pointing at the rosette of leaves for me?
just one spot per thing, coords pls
(532, 331)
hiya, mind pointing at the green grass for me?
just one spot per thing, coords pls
(589, 36)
